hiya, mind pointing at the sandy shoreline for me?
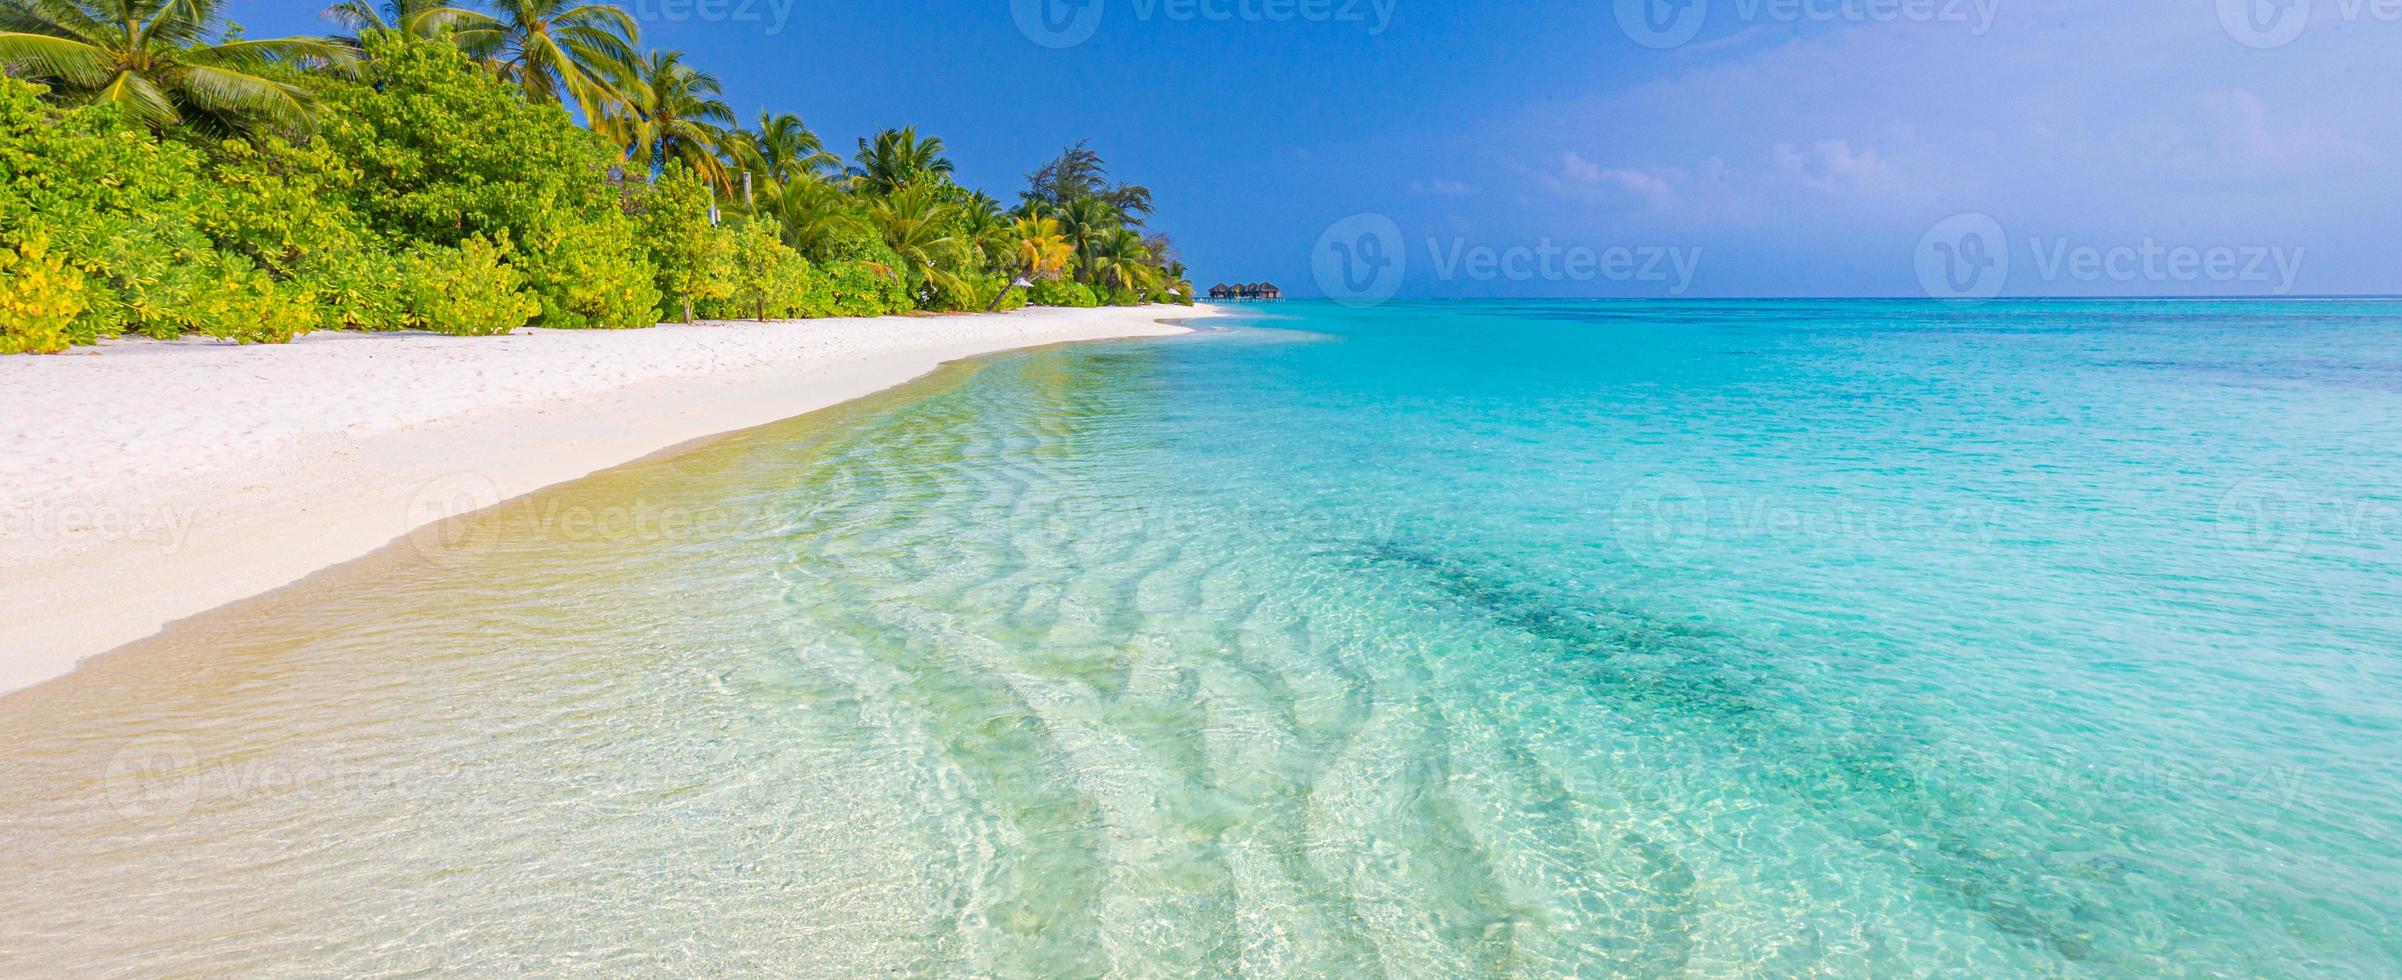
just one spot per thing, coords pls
(143, 482)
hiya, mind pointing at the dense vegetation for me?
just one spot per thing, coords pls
(471, 171)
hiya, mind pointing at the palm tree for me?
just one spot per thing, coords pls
(898, 159)
(1175, 280)
(158, 60)
(1042, 252)
(988, 228)
(1123, 260)
(923, 229)
(815, 215)
(1086, 221)
(783, 149)
(556, 50)
(669, 114)
(418, 18)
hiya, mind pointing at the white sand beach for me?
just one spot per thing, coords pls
(142, 482)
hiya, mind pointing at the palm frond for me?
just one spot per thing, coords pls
(50, 56)
(140, 98)
(227, 92)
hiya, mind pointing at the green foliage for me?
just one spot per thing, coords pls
(288, 208)
(123, 209)
(230, 299)
(591, 274)
(283, 206)
(689, 256)
(853, 240)
(444, 152)
(865, 289)
(469, 291)
(994, 292)
(766, 279)
(40, 296)
(361, 290)
(164, 63)
(437, 182)
(1061, 292)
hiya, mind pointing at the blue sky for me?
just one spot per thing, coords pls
(1734, 148)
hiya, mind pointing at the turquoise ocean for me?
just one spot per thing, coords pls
(1864, 638)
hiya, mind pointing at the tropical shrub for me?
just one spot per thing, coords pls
(40, 296)
(1015, 299)
(470, 290)
(112, 202)
(287, 207)
(445, 152)
(865, 289)
(356, 290)
(1061, 292)
(853, 240)
(225, 297)
(690, 257)
(284, 206)
(590, 274)
(766, 280)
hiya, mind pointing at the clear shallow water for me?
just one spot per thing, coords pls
(1651, 639)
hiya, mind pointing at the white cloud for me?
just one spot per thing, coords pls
(1581, 179)
(1833, 167)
